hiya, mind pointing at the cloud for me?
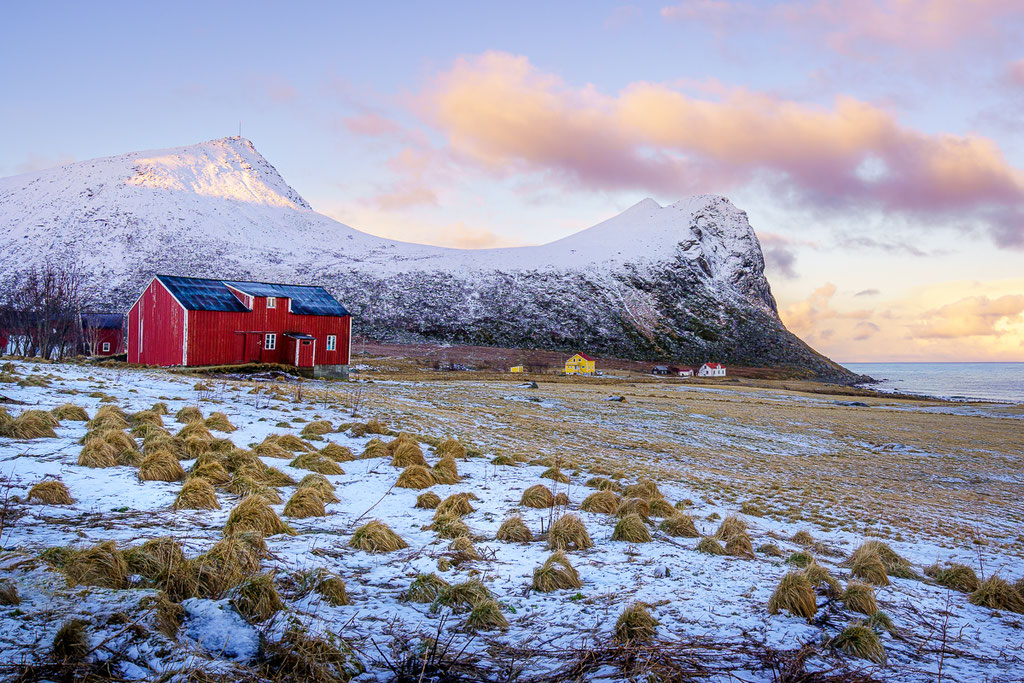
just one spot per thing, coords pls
(865, 330)
(779, 254)
(502, 114)
(621, 16)
(805, 318)
(868, 292)
(371, 124)
(972, 316)
(38, 162)
(1014, 75)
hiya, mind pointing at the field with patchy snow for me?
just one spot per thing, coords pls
(809, 479)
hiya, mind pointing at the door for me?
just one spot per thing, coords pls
(247, 346)
(305, 353)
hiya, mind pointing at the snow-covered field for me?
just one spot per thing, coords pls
(712, 611)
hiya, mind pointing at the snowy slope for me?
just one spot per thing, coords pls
(676, 282)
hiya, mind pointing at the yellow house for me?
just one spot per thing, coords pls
(517, 368)
(580, 364)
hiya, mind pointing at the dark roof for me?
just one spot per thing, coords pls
(201, 294)
(103, 321)
(298, 335)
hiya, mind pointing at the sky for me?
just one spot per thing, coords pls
(876, 145)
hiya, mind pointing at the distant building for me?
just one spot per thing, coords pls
(580, 364)
(685, 372)
(711, 370)
(196, 321)
(660, 370)
(517, 368)
(102, 334)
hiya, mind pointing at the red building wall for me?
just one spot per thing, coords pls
(110, 336)
(156, 328)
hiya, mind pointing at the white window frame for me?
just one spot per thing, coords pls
(106, 347)
(332, 342)
(271, 302)
(269, 341)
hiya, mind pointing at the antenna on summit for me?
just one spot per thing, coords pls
(239, 130)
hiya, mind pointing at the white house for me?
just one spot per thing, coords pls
(711, 370)
(686, 372)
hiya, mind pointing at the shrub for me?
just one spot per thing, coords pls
(305, 503)
(860, 597)
(486, 615)
(680, 524)
(556, 573)
(858, 640)
(635, 624)
(315, 462)
(50, 492)
(569, 533)
(605, 502)
(188, 414)
(425, 588)
(317, 428)
(709, 546)
(70, 412)
(318, 482)
(537, 496)
(196, 494)
(631, 529)
(795, 595)
(376, 537)
(219, 422)
(256, 598)
(161, 466)
(428, 501)
(253, 514)
(514, 530)
(996, 593)
(101, 565)
(415, 477)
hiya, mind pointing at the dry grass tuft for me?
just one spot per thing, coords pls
(426, 588)
(71, 643)
(449, 525)
(145, 417)
(450, 448)
(375, 448)
(634, 506)
(161, 466)
(800, 559)
(375, 426)
(709, 546)
(245, 485)
(486, 616)
(858, 640)
(514, 530)
(569, 533)
(256, 598)
(860, 597)
(644, 488)
(632, 529)
(253, 514)
(445, 471)
(461, 597)
(269, 449)
(108, 417)
(739, 545)
(188, 414)
(730, 527)
(661, 508)
(333, 590)
(50, 492)
(315, 462)
(196, 494)
(771, 550)
(318, 482)
(305, 502)
(299, 656)
(865, 558)
(31, 424)
(169, 614)
(219, 422)
(537, 496)
(869, 567)
(680, 525)
(195, 430)
(464, 549)
(555, 474)
(156, 559)
(160, 408)
(226, 564)
(9, 593)
(337, 453)
(415, 477)
(823, 581)
(604, 502)
(803, 538)
(603, 484)
(407, 452)
(795, 595)
(557, 573)
(70, 412)
(561, 499)
(101, 565)
(455, 504)
(997, 593)
(428, 501)
(317, 428)
(635, 624)
(290, 442)
(211, 471)
(959, 577)
(376, 537)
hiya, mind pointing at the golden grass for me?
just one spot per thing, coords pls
(869, 567)
(337, 453)
(450, 448)
(108, 417)
(568, 532)
(169, 614)
(461, 597)
(376, 537)
(375, 448)
(70, 412)
(407, 453)
(486, 616)
(603, 502)
(188, 414)
(195, 429)
(50, 492)
(101, 565)
(245, 485)
(425, 588)
(270, 449)
(97, 453)
(729, 527)
(537, 496)
(305, 502)
(196, 494)
(660, 507)
(449, 525)
(635, 624)
(795, 595)
(299, 656)
(739, 545)
(333, 590)
(226, 564)
(256, 598)
(316, 428)
(864, 559)
(644, 488)
(212, 472)
(858, 640)
(457, 504)
(145, 417)
(634, 506)
(219, 422)
(156, 559)
(803, 538)
(822, 581)
(445, 471)
(9, 593)
(315, 462)
(428, 501)
(318, 482)
(561, 499)
(555, 474)
(160, 408)
(161, 466)
(253, 514)
(30, 424)
(631, 529)
(860, 597)
(70, 644)
(959, 577)
(464, 549)
(603, 484)
(415, 477)
(709, 546)
(514, 530)
(679, 525)
(997, 593)
(557, 573)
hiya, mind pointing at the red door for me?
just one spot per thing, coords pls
(247, 347)
(305, 353)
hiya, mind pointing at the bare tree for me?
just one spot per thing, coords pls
(43, 307)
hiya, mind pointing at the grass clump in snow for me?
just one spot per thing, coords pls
(461, 597)
(860, 597)
(996, 592)
(211, 470)
(305, 502)
(415, 477)
(426, 588)
(634, 506)
(823, 581)
(800, 559)
(376, 537)
(333, 590)
(292, 443)
(50, 492)
(644, 488)
(679, 525)
(449, 525)
(188, 414)
(108, 417)
(145, 417)
(196, 494)
(318, 482)
(70, 412)
(256, 598)
(463, 549)
(446, 472)
(428, 501)
(631, 529)
(161, 466)
(803, 538)
(315, 462)
(603, 502)
(317, 428)
(514, 530)
(771, 550)
(450, 448)
(635, 624)
(30, 424)
(219, 422)
(156, 559)
(168, 614)
(253, 514)
(160, 408)
(557, 573)
(375, 448)
(101, 565)
(555, 474)
(709, 546)
(730, 526)
(222, 567)
(299, 656)
(858, 640)
(569, 533)
(195, 430)
(603, 484)
(537, 496)
(337, 453)
(245, 485)
(406, 452)
(875, 561)
(486, 616)
(70, 644)
(795, 595)
(953, 575)
(457, 504)
(9, 593)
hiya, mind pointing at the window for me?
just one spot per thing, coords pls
(271, 302)
(106, 347)
(332, 342)
(270, 342)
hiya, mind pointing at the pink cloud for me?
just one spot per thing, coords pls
(372, 124)
(502, 114)
(1015, 73)
(972, 316)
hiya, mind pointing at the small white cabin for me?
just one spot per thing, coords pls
(686, 372)
(711, 370)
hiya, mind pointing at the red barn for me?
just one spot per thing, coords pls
(195, 321)
(102, 334)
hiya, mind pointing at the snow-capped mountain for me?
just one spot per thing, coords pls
(683, 282)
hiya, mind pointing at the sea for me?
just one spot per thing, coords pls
(956, 381)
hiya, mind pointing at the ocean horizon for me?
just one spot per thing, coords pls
(961, 381)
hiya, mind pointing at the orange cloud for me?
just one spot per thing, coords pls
(503, 114)
(972, 316)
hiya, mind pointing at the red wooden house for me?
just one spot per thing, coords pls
(195, 321)
(102, 334)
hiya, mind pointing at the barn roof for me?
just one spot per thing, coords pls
(202, 294)
(584, 356)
